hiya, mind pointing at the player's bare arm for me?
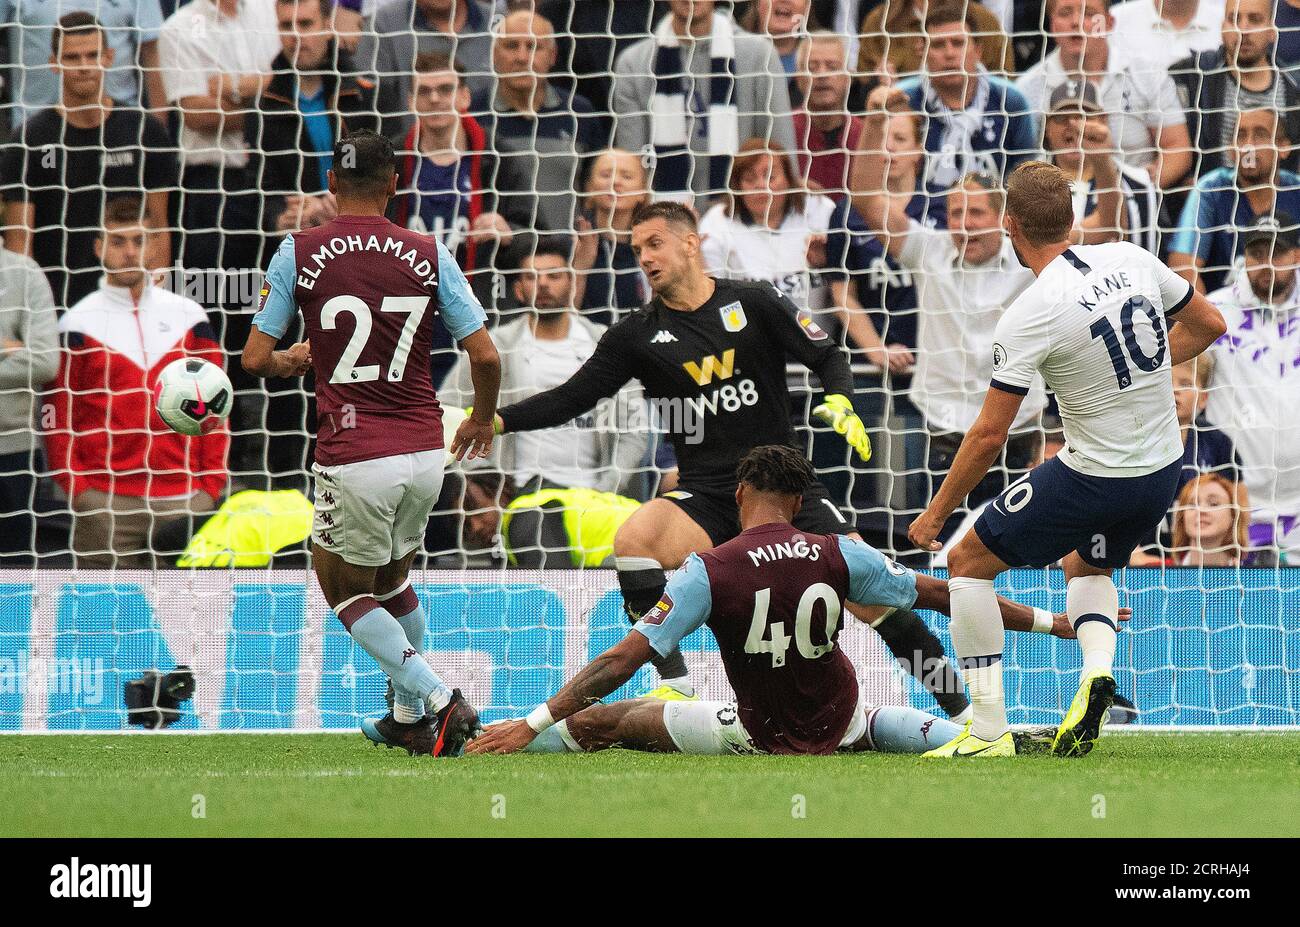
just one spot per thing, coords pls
(1195, 327)
(261, 359)
(593, 682)
(978, 451)
(932, 595)
(474, 436)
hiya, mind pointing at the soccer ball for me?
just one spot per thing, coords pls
(193, 396)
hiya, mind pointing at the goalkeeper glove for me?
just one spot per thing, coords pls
(836, 411)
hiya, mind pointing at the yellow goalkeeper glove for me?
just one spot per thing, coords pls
(836, 411)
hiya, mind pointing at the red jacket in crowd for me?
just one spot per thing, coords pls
(105, 433)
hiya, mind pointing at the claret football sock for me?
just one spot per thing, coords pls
(1092, 605)
(381, 636)
(977, 637)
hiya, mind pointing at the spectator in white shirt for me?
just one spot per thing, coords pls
(1156, 33)
(766, 227)
(1146, 118)
(216, 58)
(1256, 386)
(602, 449)
(966, 276)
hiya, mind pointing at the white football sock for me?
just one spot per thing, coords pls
(682, 684)
(1092, 605)
(977, 637)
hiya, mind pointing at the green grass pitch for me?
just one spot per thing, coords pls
(335, 785)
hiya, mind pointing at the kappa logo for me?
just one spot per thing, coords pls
(663, 336)
(327, 539)
(925, 730)
(408, 652)
(327, 497)
(327, 518)
(733, 317)
(702, 373)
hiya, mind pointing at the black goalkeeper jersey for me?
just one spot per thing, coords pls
(716, 376)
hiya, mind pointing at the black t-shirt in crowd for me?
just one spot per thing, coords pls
(68, 174)
(716, 375)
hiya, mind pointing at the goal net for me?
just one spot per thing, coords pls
(525, 135)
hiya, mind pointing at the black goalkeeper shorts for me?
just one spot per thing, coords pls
(715, 511)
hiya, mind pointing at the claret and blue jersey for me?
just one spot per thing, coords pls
(365, 287)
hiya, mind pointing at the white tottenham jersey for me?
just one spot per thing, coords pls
(1093, 324)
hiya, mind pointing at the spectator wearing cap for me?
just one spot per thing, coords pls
(1112, 201)
(1146, 118)
(974, 120)
(824, 130)
(541, 135)
(402, 29)
(966, 274)
(1256, 384)
(1207, 242)
(692, 91)
(1240, 75)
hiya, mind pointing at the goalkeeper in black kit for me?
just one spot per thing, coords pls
(711, 356)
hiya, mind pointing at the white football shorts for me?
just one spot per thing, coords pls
(714, 728)
(373, 512)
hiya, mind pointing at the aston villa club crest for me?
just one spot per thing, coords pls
(810, 327)
(733, 317)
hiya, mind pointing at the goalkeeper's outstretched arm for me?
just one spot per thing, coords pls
(601, 376)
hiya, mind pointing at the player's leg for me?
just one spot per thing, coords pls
(1092, 604)
(914, 646)
(658, 536)
(977, 636)
(352, 537)
(899, 729)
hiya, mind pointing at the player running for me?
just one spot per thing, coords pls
(711, 356)
(366, 288)
(1093, 324)
(773, 597)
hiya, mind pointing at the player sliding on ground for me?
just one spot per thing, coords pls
(711, 355)
(773, 597)
(369, 292)
(1093, 324)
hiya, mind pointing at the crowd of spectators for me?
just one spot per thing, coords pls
(850, 152)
